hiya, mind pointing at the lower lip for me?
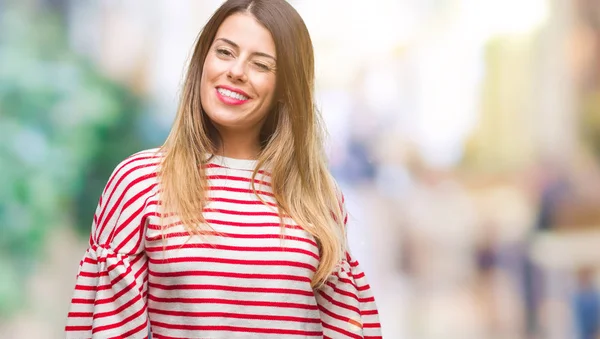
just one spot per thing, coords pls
(228, 100)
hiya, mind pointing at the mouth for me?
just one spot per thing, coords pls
(232, 94)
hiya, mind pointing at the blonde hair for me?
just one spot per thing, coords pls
(291, 138)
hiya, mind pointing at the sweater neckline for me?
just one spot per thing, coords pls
(233, 163)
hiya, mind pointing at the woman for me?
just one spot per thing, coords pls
(234, 228)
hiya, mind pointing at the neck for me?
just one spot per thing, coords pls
(238, 145)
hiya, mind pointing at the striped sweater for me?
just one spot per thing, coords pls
(240, 280)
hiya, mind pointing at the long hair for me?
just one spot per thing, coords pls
(291, 138)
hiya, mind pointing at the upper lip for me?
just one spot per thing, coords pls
(236, 90)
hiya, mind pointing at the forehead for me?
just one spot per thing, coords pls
(244, 30)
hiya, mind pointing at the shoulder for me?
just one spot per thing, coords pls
(138, 170)
(132, 182)
(146, 158)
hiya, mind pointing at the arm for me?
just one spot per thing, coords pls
(346, 301)
(109, 299)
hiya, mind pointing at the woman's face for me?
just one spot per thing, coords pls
(238, 76)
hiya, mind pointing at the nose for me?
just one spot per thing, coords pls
(237, 71)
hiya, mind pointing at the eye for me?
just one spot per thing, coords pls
(262, 66)
(224, 52)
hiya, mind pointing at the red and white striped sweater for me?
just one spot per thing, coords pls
(243, 281)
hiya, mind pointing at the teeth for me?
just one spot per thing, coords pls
(228, 93)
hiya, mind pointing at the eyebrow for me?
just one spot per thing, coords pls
(237, 46)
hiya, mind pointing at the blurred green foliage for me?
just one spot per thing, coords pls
(63, 128)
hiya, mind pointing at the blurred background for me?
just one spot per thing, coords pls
(465, 135)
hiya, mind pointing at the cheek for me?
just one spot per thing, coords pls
(210, 68)
(267, 87)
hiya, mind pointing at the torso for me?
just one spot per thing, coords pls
(241, 278)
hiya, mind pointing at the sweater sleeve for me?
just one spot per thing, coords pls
(346, 301)
(109, 300)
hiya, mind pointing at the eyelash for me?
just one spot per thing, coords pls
(226, 53)
(262, 66)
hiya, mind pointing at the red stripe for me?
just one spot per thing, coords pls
(371, 325)
(369, 312)
(156, 227)
(92, 274)
(128, 161)
(77, 328)
(235, 316)
(82, 301)
(233, 289)
(359, 275)
(235, 178)
(232, 248)
(224, 211)
(119, 309)
(341, 331)
(211, 165)
(128, 334)
(366, 300)
(237, 329)
(136, 258)
(238, 190)
(79, 314)
(162, 336)
(342, 292)
(339, 304)
(137, 315)
(346, 281)
(341, 318)
(80, 287)
(285, 263)
(277, 304)
(227, 211)
(353, 282)
(233, 235)
(241, 202)
(142, 192)
(251, 224)
(89, 260)
(230, 275)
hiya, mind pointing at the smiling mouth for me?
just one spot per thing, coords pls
(230, 94)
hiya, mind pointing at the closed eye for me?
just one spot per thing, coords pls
(262, 66)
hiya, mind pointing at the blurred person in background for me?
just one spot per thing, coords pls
(234, 227)
(586, 305)
(553, 191)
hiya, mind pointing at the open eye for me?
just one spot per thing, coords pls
(224, 52)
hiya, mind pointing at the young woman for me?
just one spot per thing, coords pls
(234, 228)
